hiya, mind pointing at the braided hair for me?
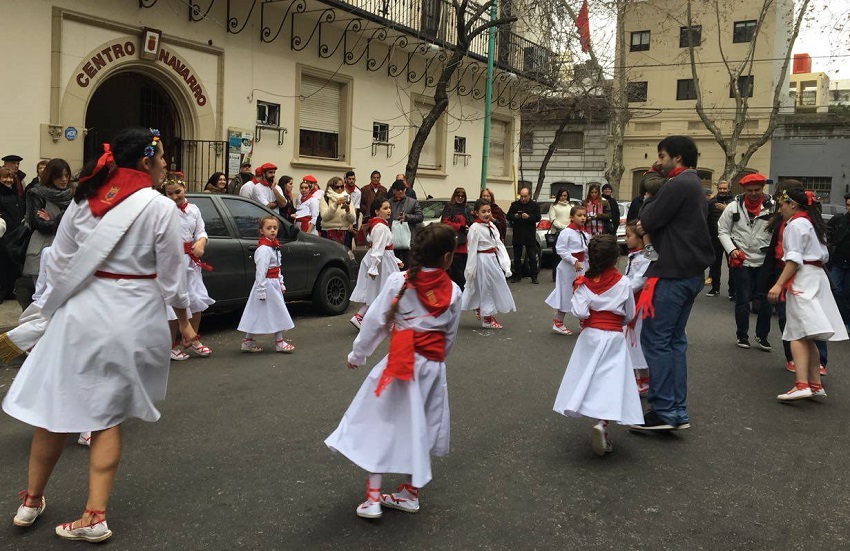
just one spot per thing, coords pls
(430, 245)
(811, 207)
(602, 253)
(128, 147)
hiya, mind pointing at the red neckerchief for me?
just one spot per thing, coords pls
(800, 214)
(676, 171)
(305, 198)
(434, 290)
(351, 188)
(375, 220)
(120, 184)
(753, 206)
(607, 279)
(265, 183)
(374, 187)
(182, 206)
(635, 249)
(273, 243)
(574, 226)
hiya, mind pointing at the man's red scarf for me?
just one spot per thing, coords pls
(120, 184)
(350, 188)
(676, 171)
(753, 206)
(434, 290)
(267, 184)
(607, 279)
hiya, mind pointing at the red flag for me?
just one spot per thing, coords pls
(583, 24)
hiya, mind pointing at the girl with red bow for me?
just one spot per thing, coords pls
(379, 263)
(400, 416)
(599, 382)
(571, 246)
(194, 235)
(266, 312)
(307, 205)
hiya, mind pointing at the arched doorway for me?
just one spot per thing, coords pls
(130, 98)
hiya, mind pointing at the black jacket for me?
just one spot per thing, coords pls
(524, 228)
(634, 208)
(614, 223)
(714, 213)
(839, 238)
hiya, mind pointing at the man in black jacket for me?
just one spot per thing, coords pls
(524, 215)
(677, 220)
(715, 209)
(839, 258)
(614, 223)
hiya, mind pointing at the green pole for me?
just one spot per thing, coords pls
(488, 93)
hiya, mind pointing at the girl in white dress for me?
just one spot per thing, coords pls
(487, 265)
(636, 265)
(599, 382)
(379, 263)
(812, 314)
(266, 312)
(307, 206)
(572, 248)
(194, 236)
(400, 416)
(103, 357)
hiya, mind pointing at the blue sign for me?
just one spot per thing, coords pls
(235, 140)
(70, 133)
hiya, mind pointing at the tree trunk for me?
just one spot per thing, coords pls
(620, 110)
(541, 175)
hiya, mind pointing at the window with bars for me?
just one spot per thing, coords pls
(380, 132)
(686, 89)
(526, 142)
(743, 31)
(821, 186)
(268, 113)
(636, 91)
(640, 41)
(460, 144)
(571, 140)
(689, 36)
(745, 87)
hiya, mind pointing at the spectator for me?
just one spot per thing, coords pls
(403, 209)
(408, 189)
(217, 183)
(307, 205)
(13, 210)
(287, 211)
(39, 168)
(677, 219)
(457, 215)
(354, 192)
(743, 232)
(243, 177)
(336, 210)
(559, 218)
(715, 209)
(598, 209)
(369, 193)
(266, 191)
(13, 163)
(524, 214)
(637, 203)
(247, 189)
(608, 194)
(498, 215)
(839, 257)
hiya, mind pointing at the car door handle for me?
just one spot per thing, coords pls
(252, 248)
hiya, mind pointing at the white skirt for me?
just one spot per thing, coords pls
(561, 297)
(400, 430)
(199, 298)
(367, 289)
(599, 382)
(810, 308)
(103, 359)
(488, 289)
(264, 317)
(633, 342)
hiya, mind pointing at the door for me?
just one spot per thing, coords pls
(227, 281)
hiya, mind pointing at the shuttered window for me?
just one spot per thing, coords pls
(496, 160)
(320, 104)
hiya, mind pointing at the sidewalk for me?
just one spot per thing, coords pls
(10, 311)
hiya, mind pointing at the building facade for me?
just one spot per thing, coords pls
(312, 86)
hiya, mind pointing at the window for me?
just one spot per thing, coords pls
(571, 140)
(819, 185)
(526, 142)
(460, 144)
(496, 156)
(380, 132)
(212, 219)
(685, 89)
(434, 149)
(640, 41)
(690, 36)
(247, 216)
(636, 91)
(268, 113)
(743, 31)
(745, 87)
(319, 132)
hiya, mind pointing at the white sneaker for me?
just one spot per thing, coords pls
(369, 509)
(355, 320)
(560, 329)
(27, 515)
(820, 393)
(489, 322)
(599, 441)
(178, 355)
(84, 439)
(795, 394)
(250, 345)
(94, 533)
(402, 499)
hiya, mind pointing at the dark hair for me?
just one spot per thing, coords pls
(602, 253)
(607, 186)
(374, 172)
(349, 173)
(632, 225)
(801, 197)
(263, 221)
(283, 180)
(560, 191)
(480, 203)
(683, 146)
(458, 191)
(331, 183)
(430, 244)
(781, 186)
(492, 197)
(55, 168)
(577, 208)
(128, 147)
(214, 178)
(42, 162)
(377, 203)
(590, 187)
(398, 185)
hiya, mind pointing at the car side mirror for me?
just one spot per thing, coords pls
(290, 231)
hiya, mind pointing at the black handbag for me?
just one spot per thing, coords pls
(17, 241)
(552, 238)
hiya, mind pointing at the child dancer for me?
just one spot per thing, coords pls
(571, 247)
(811, 311)
(194, 236)
(400, 416)
(379, 263)
(487, 265)
(599, 382)
(635, 269)
(266, 311)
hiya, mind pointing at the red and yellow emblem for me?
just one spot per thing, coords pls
(110, 195)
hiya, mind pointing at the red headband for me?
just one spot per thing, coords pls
(104, 160)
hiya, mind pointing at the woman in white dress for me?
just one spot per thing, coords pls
(400, 416)
(379, 263)
(811, 312)
(105, 352)
(487, 265)
(571, 247)
(307, 206)
(599, 382)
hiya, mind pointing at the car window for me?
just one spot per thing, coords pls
(212, 219)
(247, 217)
(432, 209)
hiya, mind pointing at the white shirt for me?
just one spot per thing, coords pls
(247, 189)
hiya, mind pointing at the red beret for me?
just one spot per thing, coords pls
(266, 166)
(751, 179)
(309, 178)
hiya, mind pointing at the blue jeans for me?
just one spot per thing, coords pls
(840, 275)
(665, 346)
(745, 280)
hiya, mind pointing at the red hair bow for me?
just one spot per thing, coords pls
(104, 160)
(810, 198)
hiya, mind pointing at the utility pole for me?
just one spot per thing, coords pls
(488, 93)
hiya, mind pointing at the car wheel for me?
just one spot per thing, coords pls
(331, 291)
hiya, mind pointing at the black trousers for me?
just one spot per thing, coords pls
(714, 271)
(457, 269)
(531, 258)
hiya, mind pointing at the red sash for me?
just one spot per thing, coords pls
(187, 248)
(273, 273)
(491, 250)
(305, 222)
(110, 275)
(604, 320)
(389, 247)
(644, 302)
(579, 256)
(787, 286)
(403, 345)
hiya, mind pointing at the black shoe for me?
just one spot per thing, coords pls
(713, 293)
(731, 296)
(744, 342)
(763, 344)
(534, 280)
(516, 279)
(652, 422)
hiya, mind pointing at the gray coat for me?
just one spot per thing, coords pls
(411, 209)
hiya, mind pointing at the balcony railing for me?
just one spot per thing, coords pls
(434, 21)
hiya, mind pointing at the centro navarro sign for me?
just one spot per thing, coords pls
(113, 52)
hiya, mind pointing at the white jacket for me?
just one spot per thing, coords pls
(736, 230)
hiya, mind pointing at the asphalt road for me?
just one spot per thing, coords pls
(238, 461)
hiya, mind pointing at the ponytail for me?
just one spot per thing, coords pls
(129, 145)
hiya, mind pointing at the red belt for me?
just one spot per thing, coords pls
(305, 222)
(110, 275)
(187, 248)
(488, 251)
(273, 273)
(403, 345)
(817, 263)
(388, 248)
(787, 286)
(604, 320)
(579, 256)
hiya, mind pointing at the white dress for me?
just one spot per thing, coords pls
(264, 317)
(379, 261)
(635, 272)
(310, 208)
(569, 241)
(810, 307)
(486, 287)
(192, 228)
(599, 382)
(104, 356)
(399, 431)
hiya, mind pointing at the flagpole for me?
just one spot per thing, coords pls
(488, 93)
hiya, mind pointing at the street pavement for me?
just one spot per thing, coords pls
(238, 461)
